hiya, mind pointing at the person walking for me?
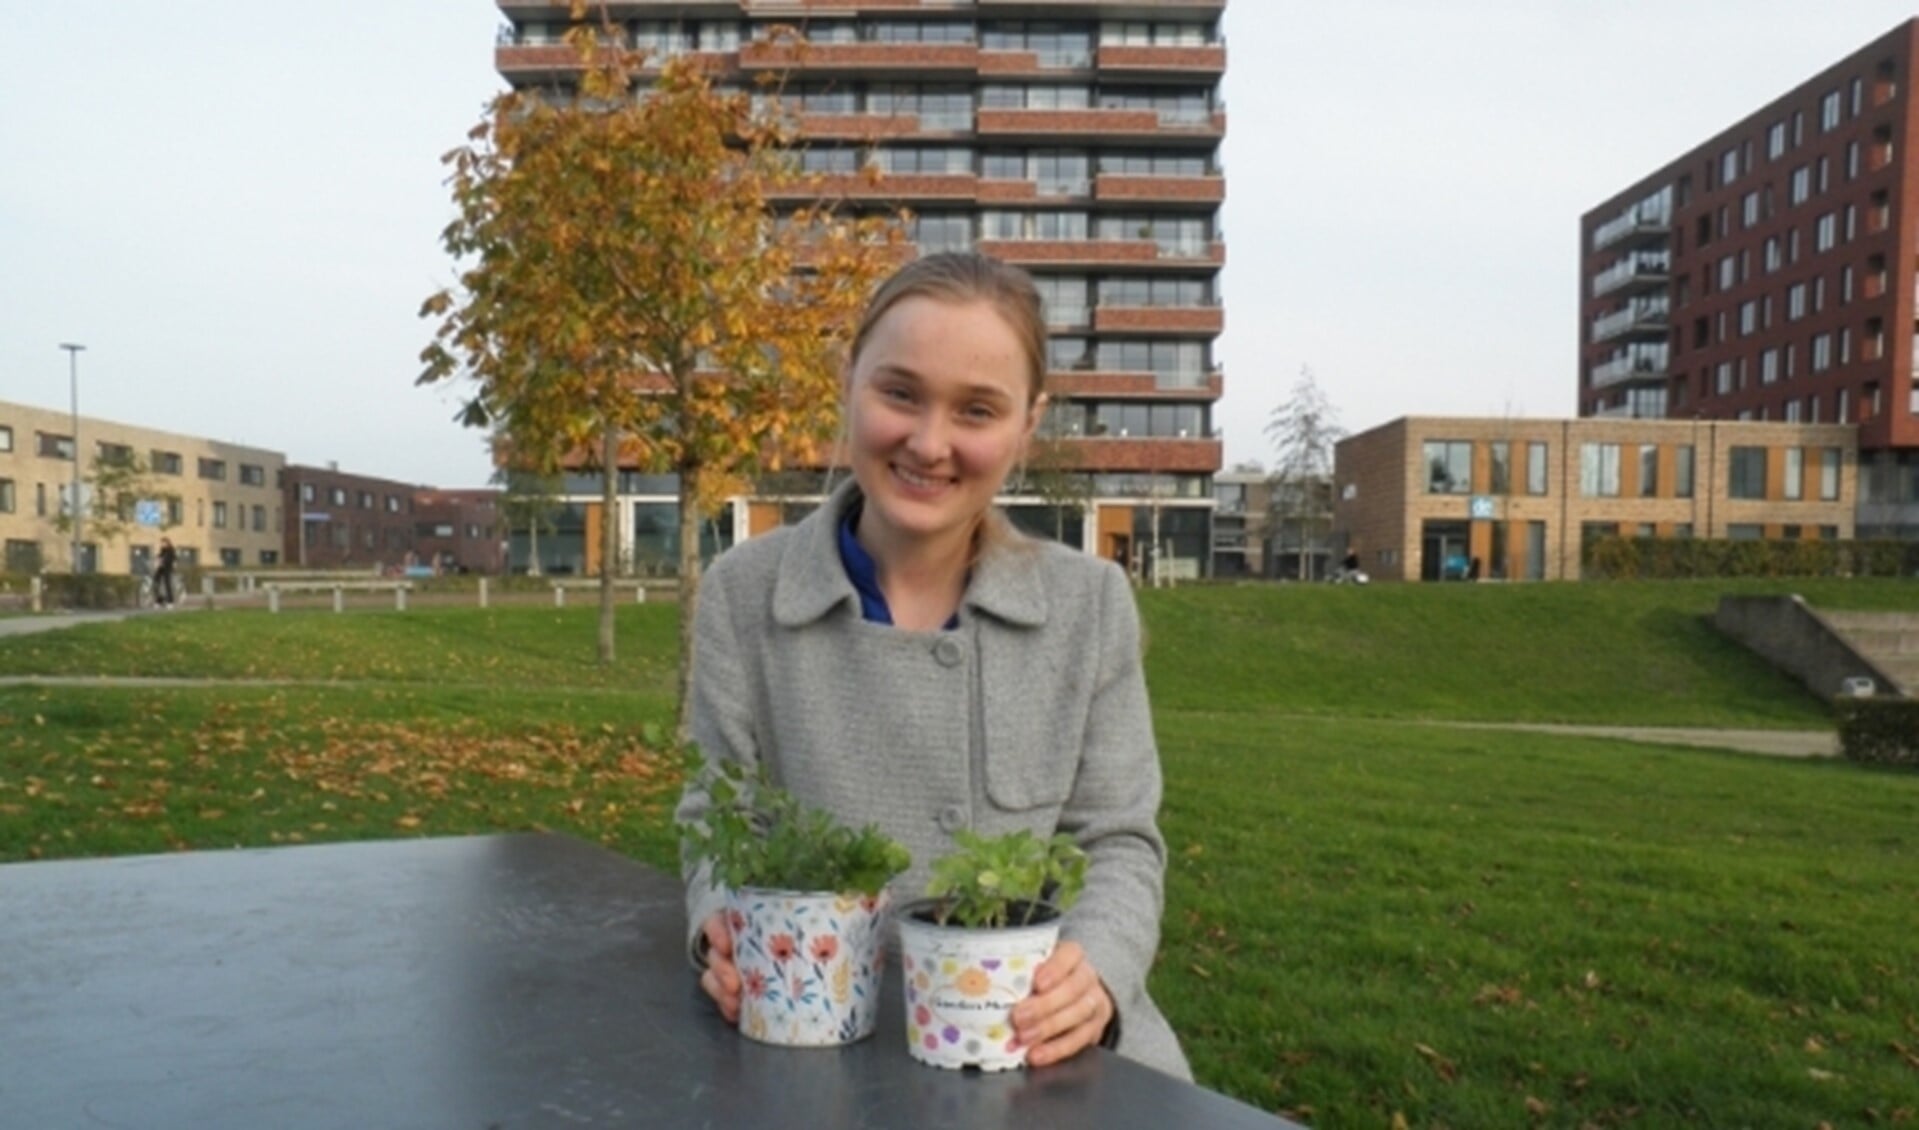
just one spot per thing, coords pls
(163, 594)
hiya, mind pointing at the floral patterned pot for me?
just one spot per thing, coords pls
(962, 984)
(809, 965)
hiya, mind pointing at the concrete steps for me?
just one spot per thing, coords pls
(1889, 639)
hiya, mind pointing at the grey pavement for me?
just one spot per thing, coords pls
(27, 625)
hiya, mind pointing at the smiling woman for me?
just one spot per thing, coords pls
(902, 657)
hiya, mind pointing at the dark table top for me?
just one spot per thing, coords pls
(491, 982)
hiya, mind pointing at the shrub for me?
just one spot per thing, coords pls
(1694, 558)
(1881, 731)
(91, 590)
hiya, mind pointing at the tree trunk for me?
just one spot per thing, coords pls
(609, 537)
(689, 587)
(533, 550)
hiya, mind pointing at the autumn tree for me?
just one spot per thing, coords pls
(1303, 429)
(111, 490)
(629, 296)
(529, 501)
(1054, 472)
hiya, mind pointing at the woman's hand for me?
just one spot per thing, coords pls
(722, 978)
(1068, 1011)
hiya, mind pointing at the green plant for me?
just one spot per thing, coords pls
(1884, 731)
(756, 834)
(980, 883)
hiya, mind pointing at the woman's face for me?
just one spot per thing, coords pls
(938, 413)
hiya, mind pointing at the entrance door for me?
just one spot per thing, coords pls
(1445, 553)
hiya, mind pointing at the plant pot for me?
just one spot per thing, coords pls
(962, 984)
(809, 965)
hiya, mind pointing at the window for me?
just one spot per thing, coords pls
(253, 475)
(1769, 366)
(55, 446)
(219, 515)
(1535, 468)
(1826, 235)
(259, 519)
(392, 504)
(1821, 352)
(230, 558)
(1682, 464)
(269, 557)
(306, 492)
(1599, 470)
(1795, 302)
(215, 469)
(366, 500)
(1795, 479)
(1776, 140)
(1728, 166)
(1745, 531)
(1747, 473)
(1829, 107)
(1774, 260)
(1449, 467)
(1801, 184)
(1502, 467)
(115, 454)
(1829, 473)
(1648, 471)
(6, 438)
(1748, 317)
(337, 496)
(1749, 208)
(7, 500)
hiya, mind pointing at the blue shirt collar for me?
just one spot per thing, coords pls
(864, 572)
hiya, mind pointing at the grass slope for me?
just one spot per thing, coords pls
(1369, 922)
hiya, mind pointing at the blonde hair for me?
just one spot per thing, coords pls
(968, 276)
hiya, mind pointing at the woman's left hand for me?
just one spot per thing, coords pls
(1068, 1011)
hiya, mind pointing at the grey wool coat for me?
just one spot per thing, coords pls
(1031, 714)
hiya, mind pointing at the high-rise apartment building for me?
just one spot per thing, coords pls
(1768, 274)
(1078, 139)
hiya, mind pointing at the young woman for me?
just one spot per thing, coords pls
(903, 657)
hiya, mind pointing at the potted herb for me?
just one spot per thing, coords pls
(970, 949)
(805, 899)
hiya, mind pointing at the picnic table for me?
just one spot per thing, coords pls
(511, 981)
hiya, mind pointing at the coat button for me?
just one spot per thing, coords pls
(952, 818)
(948, 652)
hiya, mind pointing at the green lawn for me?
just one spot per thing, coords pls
(1368, 919)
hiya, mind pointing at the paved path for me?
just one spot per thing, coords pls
(1773, 743)
(27, 625)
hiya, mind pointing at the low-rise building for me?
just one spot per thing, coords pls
(459, 531)
(215, 500)
(1516, 499)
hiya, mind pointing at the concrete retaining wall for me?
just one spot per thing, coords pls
(1791, 635)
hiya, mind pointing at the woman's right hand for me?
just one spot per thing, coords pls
(722, 978)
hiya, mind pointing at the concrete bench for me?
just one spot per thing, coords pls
(339, 589)
(592, 584)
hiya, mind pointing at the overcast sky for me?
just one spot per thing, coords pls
(237, 207)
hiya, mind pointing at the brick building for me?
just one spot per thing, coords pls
(1766, 275)
(1080, 141)
(459, 531)
(339, 520)
(214, 500)
(1422, 498)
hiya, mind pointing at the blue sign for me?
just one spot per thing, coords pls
(149, 513)
(1483, 506)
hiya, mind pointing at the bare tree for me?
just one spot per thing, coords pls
(1303, 429)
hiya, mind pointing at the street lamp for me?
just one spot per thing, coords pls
(73, 385)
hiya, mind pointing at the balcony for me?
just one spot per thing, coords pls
(1160, 190)
(857, 127)
(1122, 125)
(929, 59)
(920, 188)
(1090, 382)
(1647, 222)
(1642, 317)
(1030, 64)
(1184, 62)
(1210, 320)
(1636, 271)
(1103, 252)
(1636, 368)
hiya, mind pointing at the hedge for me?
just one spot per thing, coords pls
(1615, 558)
(1881, 731)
